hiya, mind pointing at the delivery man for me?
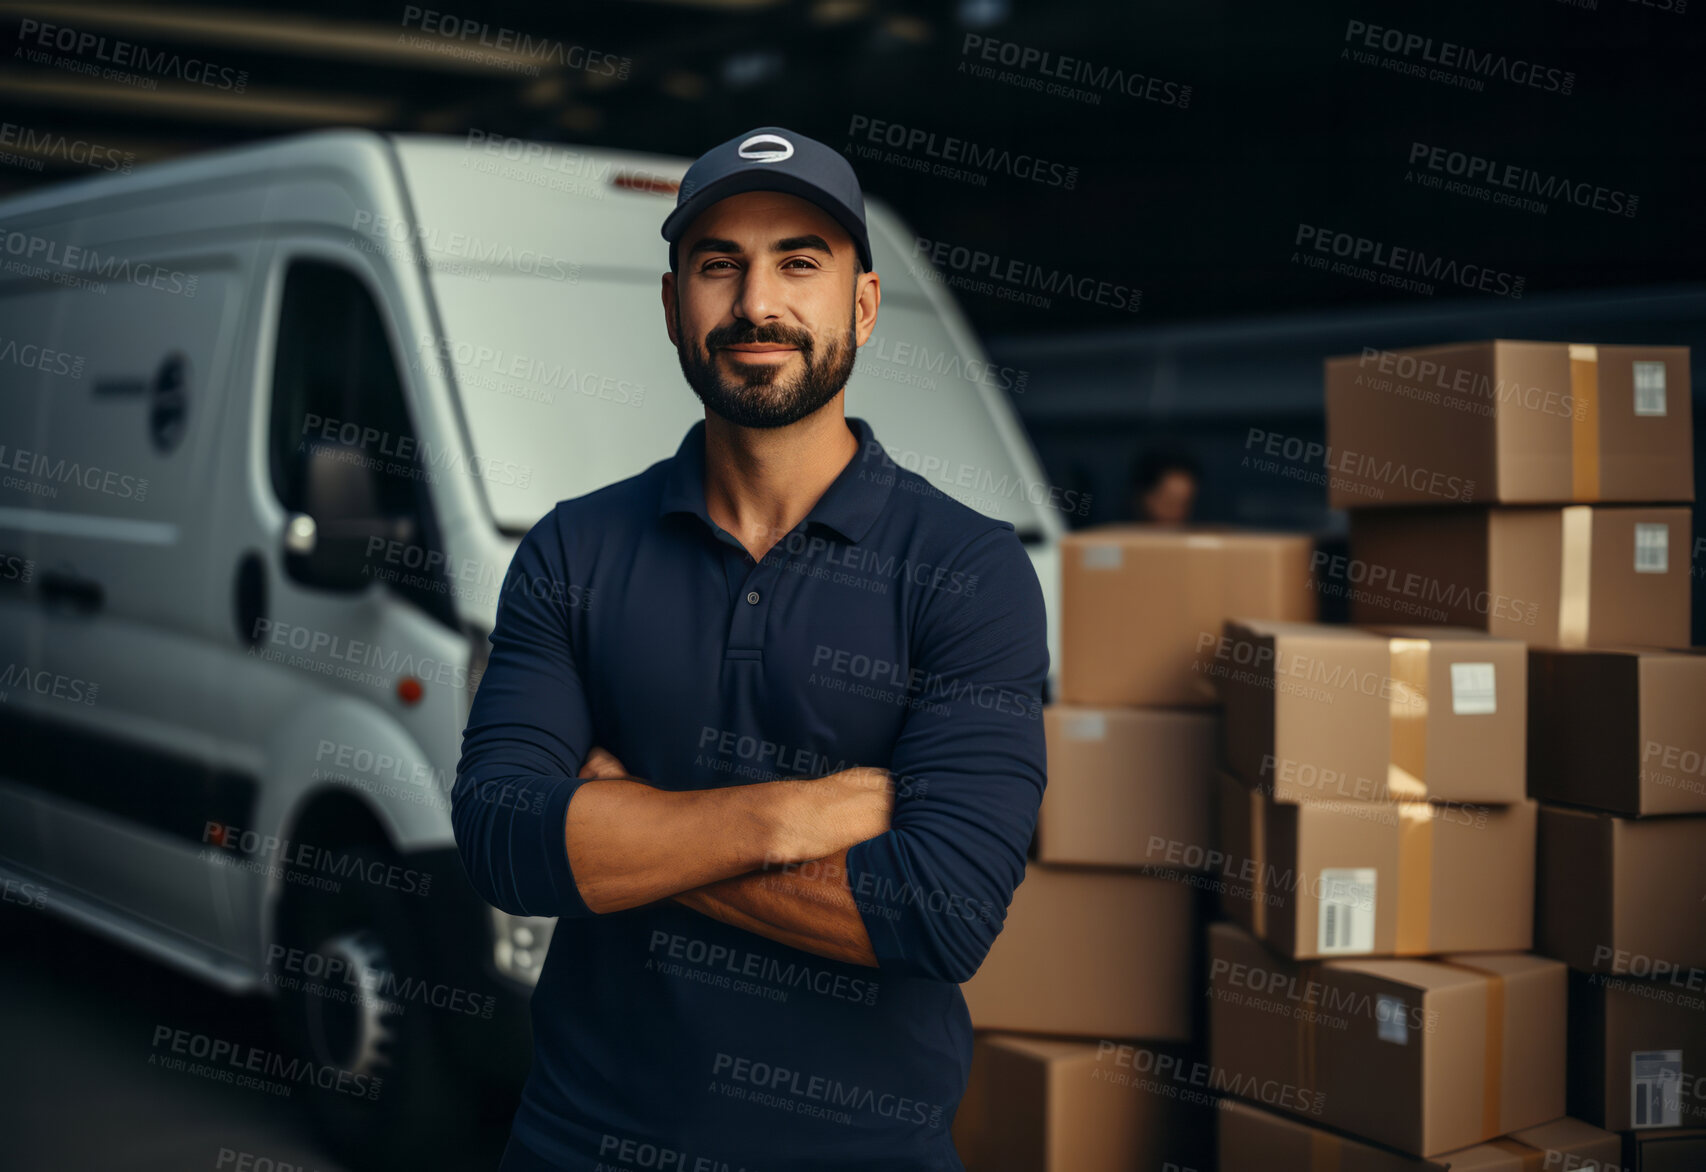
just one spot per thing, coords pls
(776, 769)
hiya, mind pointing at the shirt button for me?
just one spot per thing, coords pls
(752, 597)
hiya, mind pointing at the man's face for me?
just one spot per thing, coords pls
(766, 313)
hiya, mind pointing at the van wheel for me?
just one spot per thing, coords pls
(374, 1075)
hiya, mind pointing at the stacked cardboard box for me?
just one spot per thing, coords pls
(1527, 488)
(1620, 735)
(1087, 1006)
(1539, 491)
(1374, 807)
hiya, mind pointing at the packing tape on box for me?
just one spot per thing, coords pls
(1407, 710)
(1584, 423)
(1575, 575)
(1493, 1058)
(1533, 1159)
(1324, 1151)
(1415, 877)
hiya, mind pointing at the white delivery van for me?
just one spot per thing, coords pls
(272, 422)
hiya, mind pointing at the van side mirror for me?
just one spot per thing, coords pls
(330, 543)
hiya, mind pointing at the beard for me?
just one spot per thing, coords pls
(760, 394)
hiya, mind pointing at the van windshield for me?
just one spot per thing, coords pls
(568, 385)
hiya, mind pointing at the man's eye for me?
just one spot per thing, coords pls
(800, 260)
(710, 264)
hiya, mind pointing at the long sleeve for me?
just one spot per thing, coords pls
(971, 765)
(529, 730)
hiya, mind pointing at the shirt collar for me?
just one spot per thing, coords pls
(850, 506)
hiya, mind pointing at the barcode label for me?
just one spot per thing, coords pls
(1347, 910)
(1655, 1088)
(1474, 689)
(1652, 549)
(1087, 726)
(1103, 557)
(1649, 388)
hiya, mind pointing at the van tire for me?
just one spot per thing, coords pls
(337, 948)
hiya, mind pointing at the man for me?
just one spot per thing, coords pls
(1164, 486)
(777, 781)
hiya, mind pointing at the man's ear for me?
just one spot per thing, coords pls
(671, 310)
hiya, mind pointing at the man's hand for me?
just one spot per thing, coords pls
(832, 813)
(601, 762)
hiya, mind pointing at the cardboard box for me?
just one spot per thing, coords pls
(1254, 1140)
(1623, 731)
(1583, 576)
(1510, 423)
(1678, 1150)
(1368, 714)
(1363, 879)
(1637, 1053)
(1051, 1105)
(1092, 953)
(1621, 895)
(1136, 601)
(1425, 1056)
(1120, 780)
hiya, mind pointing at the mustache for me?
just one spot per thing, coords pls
(751, 335)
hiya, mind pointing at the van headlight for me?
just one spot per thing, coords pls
(519, 944)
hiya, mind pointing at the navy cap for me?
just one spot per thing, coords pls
(772, 158)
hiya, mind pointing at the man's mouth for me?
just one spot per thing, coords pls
(759, 348)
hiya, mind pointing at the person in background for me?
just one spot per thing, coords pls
(1164, 486)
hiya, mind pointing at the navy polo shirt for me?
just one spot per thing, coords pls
(894, 627)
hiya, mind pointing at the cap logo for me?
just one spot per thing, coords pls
(766, 148)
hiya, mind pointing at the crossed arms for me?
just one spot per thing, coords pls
(916, 884)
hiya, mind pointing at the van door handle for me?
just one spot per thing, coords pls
(74, 593)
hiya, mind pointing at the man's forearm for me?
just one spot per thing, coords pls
(809, 907)
(631, 844)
